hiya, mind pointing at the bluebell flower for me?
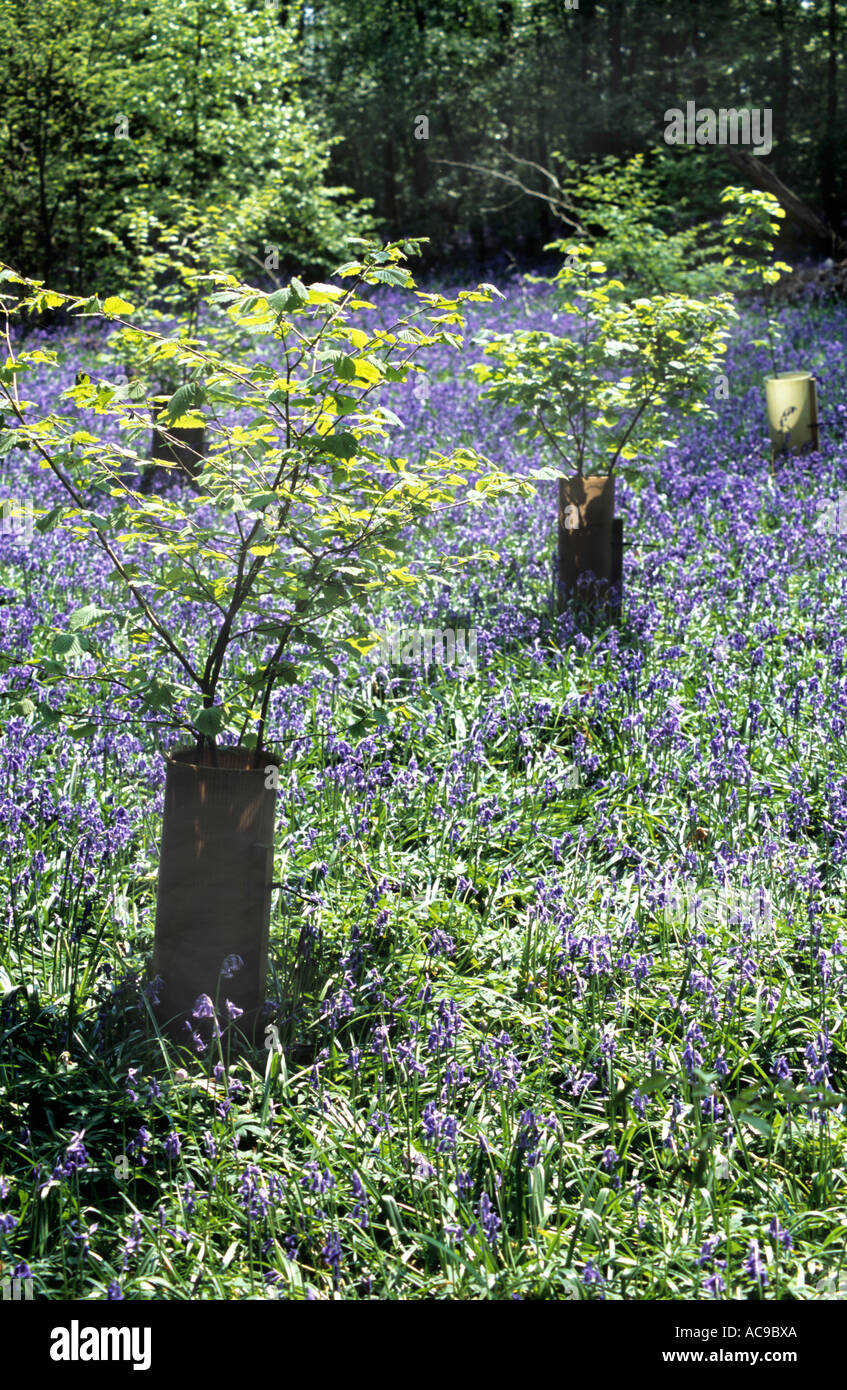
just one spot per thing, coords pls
(638, 1103)
(255, 1198)
(779, 1233)
(332, 1252)
(137, 1145)
(76, 1157)
(488, 1219)
(440, 1127)
(172, 1145)
(707, 1249)
(754, 1265)
(133, 1240)
(153, 992)
(315, 1180)
(440, 944)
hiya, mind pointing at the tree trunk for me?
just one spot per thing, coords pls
(586, 31)
(614, 45)
(783, 88)
(614, 138)
(799, 212)
(828, 140)
(389, 183)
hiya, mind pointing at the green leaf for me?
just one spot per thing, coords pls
(286, 672)
(392, 276)
(756, 1122)
(369, 371)
(115, 305)
(85, 617)
(184, 399)
(209, 720)
(311, 639)
(46, 523)
(158, 695)
(68, 644)
(283, 302)
(273, 629)
(341, 446)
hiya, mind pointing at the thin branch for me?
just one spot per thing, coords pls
(170, 643)
(551, 436)
(557, 204)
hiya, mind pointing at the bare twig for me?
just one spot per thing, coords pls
(556, 202)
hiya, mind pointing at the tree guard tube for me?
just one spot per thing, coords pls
(586, 534)
(214, 890)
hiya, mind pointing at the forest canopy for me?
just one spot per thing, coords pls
(389, 112)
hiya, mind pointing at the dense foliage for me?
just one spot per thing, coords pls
(561, 84)
(299, 506)
(120, 117)
(117, 114)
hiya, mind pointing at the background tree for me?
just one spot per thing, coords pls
(532, 78)
(111, 107)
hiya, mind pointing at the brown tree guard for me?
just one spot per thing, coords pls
(185, 447)
(214, 891)
(617, 565)
(586, 526)
(800, 213)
